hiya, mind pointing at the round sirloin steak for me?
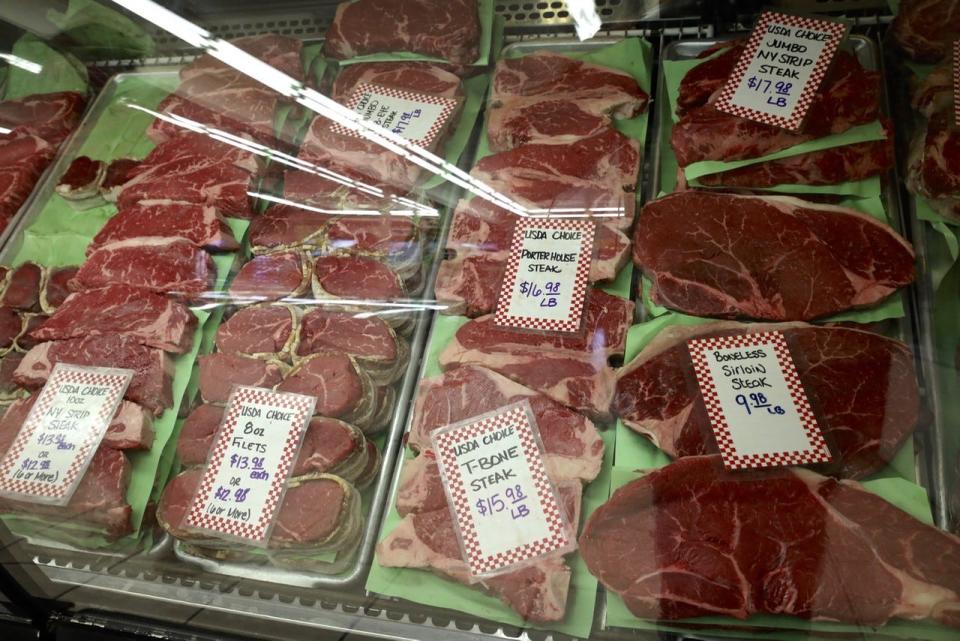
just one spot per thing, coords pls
(11, 326)
(311, 512)
(332, 378)
(197, 432)
(369, 338)
(355, 277)
(220, 372)
(271, 276)
(260, 329)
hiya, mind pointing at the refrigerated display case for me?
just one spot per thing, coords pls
(459, 319)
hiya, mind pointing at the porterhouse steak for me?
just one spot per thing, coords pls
(861, 386)
(772, 258)
(691, 539)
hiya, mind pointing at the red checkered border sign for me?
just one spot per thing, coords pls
(257, 532)
(572, 322)
(795, 119)
(446, 439)
(116, 379)
(449, 106)
(956, 82)
(819, 452)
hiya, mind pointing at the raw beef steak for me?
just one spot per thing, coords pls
(826, 167)
(370, 340)
(849, 96)
(692, 540)
(163, 265)
(551, 122)
(847, 374)
(188, 146)
(925, 29)
(51, 116)
(273, 276)
(280, 52)
(8, 387)
(600, 171)
(260, 330)
(572, 445)
(148, 318)
(480, 235)
(355, 277)
(394, 240)
(363, 27)
(18, 178)
(772, 258)
(119, 171)
(197, 434)
(934, 164)
(220, 372)
(286, 227)
(427, 540)
(80, 184)
(11, 326)
(26, 341)
(341, 388)
(56, 287)
(699, 85)
(422, 77)
(23, 288)
(200, 224)
(152, 368)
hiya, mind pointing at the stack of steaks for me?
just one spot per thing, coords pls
(33, 128)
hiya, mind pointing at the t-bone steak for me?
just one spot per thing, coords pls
(766, 257)
(363, 27)
(691, 540)
(861, 386)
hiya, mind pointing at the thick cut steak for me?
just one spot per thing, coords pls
(266, 330)
(220, 372)
(427, 540)
(355, 277)
(362, 27)
(23, 288)
(335, 380)
(272, 276)
(56, 287)
(370, 340)
(51, 116)
(152, 368)
(197, 433)
(11, 327)
(862, 388)
(572, 445)
(163, 265)
(771, 258)
(18, 179)
(692, 540)
(190, 145)
(394, 240)
(150, 319)
(600, 171)
(552, 99)
(925, 29)
(479, 240)
(700, 84)
(421, 77)
(200, 224)
(934, 164)
(825, 167)
(849, 96)
(285, 227)
(280, 52)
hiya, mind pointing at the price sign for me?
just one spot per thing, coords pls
(62, 432)
(547, 274)
(782, 66)
(757, 407)
(505, 509)
(243, 484)
(416, 116)
(956, 82)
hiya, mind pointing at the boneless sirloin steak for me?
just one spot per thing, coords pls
(692, 540)
(151, 319)
(152, 368)
(861, 386)
(362, 27)
(772, 258)
(572, 445)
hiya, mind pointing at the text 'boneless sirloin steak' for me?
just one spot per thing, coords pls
(765, 257)
(448, 29)
(862, 388)
(692, 540)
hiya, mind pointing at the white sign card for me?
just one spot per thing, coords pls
(62, 432)
(418, 117)
(505, 508)
(781, 68)
(547, 274)
(758, 410)
(249, 465)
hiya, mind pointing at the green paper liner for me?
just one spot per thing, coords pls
(61, 71)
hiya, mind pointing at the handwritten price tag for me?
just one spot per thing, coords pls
(547, 274)
(757, 407)
(504, 506)
(417, 117)
(782, 66)
(250, 462)
(62, 432)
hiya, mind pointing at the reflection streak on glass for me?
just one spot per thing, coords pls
(22, 63)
